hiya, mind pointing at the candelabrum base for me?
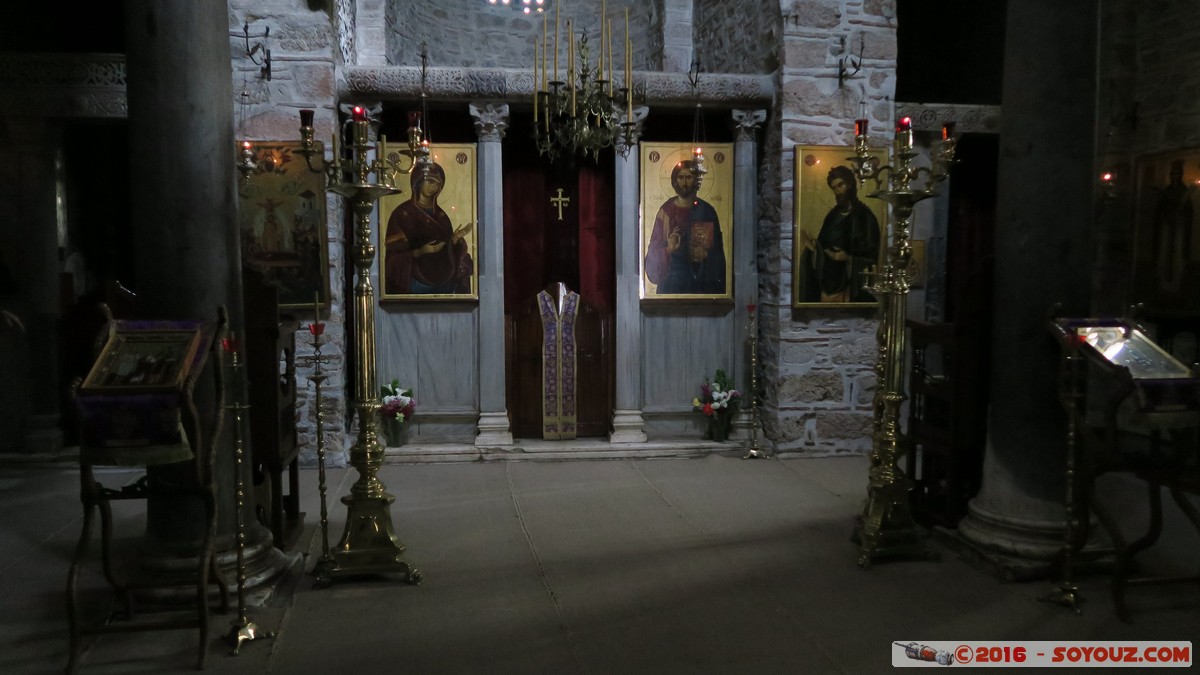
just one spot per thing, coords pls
(245, 630)
(886, 528)
(368, 546)
(754, 453)
(1067, 595)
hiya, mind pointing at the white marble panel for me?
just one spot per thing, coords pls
(681, 348)
(433, 351)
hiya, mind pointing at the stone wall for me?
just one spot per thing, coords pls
(475, 34)
(732, 36)
(819, 397)
(303, 46)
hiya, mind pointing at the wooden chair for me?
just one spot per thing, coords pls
(193, 447)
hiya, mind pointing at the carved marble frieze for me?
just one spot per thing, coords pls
(63, 85)
(392, 82)
(983, 119)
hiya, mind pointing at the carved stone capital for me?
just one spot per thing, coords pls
(747, 122)
(491, 120)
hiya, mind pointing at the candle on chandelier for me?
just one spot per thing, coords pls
(947, 130)
(611, 75)
(306, 118)
(571, 64)
(545, 19)
(556, 42)
(360, 114)
(535, 78)
(628, 72)
(600, 63)
(904, 124)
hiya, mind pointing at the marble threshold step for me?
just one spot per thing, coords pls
(539, 450)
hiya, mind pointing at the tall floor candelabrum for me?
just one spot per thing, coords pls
(753, 451)
(369, 544)
(885, 527)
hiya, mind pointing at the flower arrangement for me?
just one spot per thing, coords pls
(717, 397)
(398, 403)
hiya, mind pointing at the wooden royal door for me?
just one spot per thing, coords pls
(559, 226)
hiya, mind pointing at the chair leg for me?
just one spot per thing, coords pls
(106, 535)
(214, 573)
(1125, 556)
(207, 561)
(73, 588)
(1186, 506)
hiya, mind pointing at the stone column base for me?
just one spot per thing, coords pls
(1027, 538)
(493, 429)
(628, 427)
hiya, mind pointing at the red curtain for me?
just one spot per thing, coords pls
(540, 248)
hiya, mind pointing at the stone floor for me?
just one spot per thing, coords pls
(707, 564)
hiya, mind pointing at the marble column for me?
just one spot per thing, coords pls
(187, 258)
(628, 425)
(491, 120)
(1044, 251)
(745, 250)
(31, 228)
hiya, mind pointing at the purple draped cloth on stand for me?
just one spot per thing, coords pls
(558, 362)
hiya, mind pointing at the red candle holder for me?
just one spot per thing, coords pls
(317, 329)
(860, 127)
(360, 114)
(306, 117)
(947, 130)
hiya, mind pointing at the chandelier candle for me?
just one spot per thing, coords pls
(628, 71)
(611, 75)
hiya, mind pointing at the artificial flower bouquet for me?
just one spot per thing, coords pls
(398, 403)
(717, 397)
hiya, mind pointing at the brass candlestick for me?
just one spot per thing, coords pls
(243, 629)
(318, 377)
(1072, 374)
(369, 544)
(885, 526)
(753, 452)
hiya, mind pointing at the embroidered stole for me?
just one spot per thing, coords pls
(558, 365)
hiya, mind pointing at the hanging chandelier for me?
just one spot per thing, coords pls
(698, 134)
(578, 112)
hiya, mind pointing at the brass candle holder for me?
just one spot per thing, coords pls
(317, 360)
(243, 628)
(369, 544)
(885, 526)
(752, 328)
